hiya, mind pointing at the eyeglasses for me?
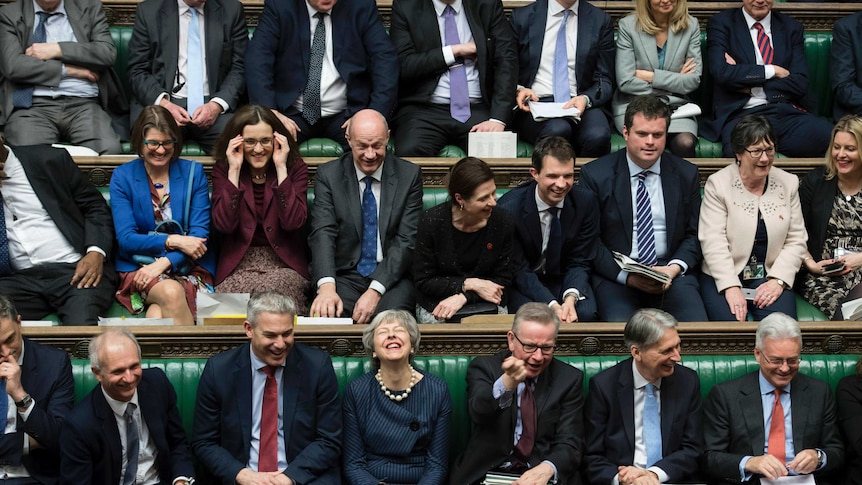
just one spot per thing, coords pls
(790, 361)
(758, 152)
(154, 145)
(530, 348)
(251, 142)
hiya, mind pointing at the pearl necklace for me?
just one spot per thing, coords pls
(397, 397)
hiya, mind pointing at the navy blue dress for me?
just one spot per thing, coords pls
(403, 442)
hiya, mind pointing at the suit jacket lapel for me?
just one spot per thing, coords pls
(354, 200)
(743, 36)
(587, 40)
(625, 396)
(543, 389)
(752, 412)
(303, 21)
(151, 414)
(670, 185)
(168, 32)
(800, 403)
(178, 194)
(142, 201)
(478, 32)
(43, 187)
(668, 410)
(108, 426)
(648, 45)
(242, 378)
(538, 20)
(388, 188)
(75, 18)
(623, 195)
(531, 220)
(779, 42)
(30, 371)
(214, 41)
(291, 387)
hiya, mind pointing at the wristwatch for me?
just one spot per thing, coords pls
(780, 282)
(820, 457)
(24, 403)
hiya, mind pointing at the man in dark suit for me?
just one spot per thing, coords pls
(240, 435)
(757, 59)
(745, 441)
(451, 83)
(659, 231)
(58, 237)
(352, 279)
(38, 385)
(556, 235)
(127, 429)
(56, 61)
(644, 414)
(846, 67)
(526, 408)
(162, 69)
(586, 83)
(316, 82)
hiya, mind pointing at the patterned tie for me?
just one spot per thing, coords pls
(368, 260)
(562, 89)
(4, 406)
(5, 261)
(194, 66)
(763, 44)
(311, 95)
(528, 424)
(131, 446)
(646, 236)
(459, 94)
(776, 430)
(555, 243)
(23, 97)
(652, 426)
(267, 460)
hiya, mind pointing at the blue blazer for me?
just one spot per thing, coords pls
(728, 33)
(594, 69)
(608, 178)
(276, 63)
(311, 411)
(92, 450)
(846, 70)
(133, 213)
(46, 374)
(610, 419)
(580, 221)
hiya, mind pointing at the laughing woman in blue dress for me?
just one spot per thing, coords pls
(396, 418)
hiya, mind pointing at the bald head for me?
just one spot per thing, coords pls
(368, 134)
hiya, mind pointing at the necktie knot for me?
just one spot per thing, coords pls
(44, 16)
(554, 211)
(758, 26)
(130, 411)
(269, 370)
(643, 175)
(566, 13)
(448, 11)
(369, 182)
(320, 16)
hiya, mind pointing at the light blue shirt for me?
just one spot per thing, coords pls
(258, 381)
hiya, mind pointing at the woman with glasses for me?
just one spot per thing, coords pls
(463, 257)
(751, 230)
(259, 206)
(396, 417)
(161, 210)
(831, 199)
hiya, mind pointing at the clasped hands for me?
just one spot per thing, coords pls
(526, 94)
(804, 463)
(632, 475)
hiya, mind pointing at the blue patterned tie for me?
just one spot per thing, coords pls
(311, 95)
(555, 243)
(562, 89)
(5, 261)
(23, 97)
(368, 261)
(4, 405)
(459, 93)
(652, 427)
(194, 66)
(646, 236)
(131, 446)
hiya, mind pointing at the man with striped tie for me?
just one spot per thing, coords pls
(649, 202)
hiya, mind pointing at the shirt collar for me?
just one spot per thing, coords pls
(185, 8)
(119, 407)
(766, 22)
(555, 9)
(377, 175)
(542, 206)
(312, 11)
(766, 387)
(635, 169)
(257, 364)
(640, 381)
(61, 9)
(439, 6)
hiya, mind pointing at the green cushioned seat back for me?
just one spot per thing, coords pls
(818, 53)
(320, 147)
(121, 35)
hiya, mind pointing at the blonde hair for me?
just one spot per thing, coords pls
(848, 124)
(678, 21)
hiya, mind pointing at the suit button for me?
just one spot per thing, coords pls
(268, 228)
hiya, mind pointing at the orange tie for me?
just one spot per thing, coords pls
(776, 430)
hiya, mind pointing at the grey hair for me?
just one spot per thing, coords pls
(538, 313)
(777, 325)
(269, 301)
(96, 344)
(646, 327)
(401, 317)
(7, 309)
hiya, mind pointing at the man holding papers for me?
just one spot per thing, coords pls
(565, 56)
(648, 204)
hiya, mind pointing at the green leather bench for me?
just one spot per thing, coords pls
(818, 46)
(184, 375)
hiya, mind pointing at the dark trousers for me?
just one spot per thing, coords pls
(799, 133)
(587, 310)
(590, 138)
(43, 289)
(617, 303)
(717, 309)
(350, 286)
(328, 127)
(423, 130)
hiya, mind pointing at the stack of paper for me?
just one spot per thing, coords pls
(628, 264)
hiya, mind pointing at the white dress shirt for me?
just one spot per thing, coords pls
(333, 89)
(543, 84)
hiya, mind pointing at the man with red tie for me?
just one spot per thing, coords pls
(772, 422)
(511, 433)
(268, 411)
